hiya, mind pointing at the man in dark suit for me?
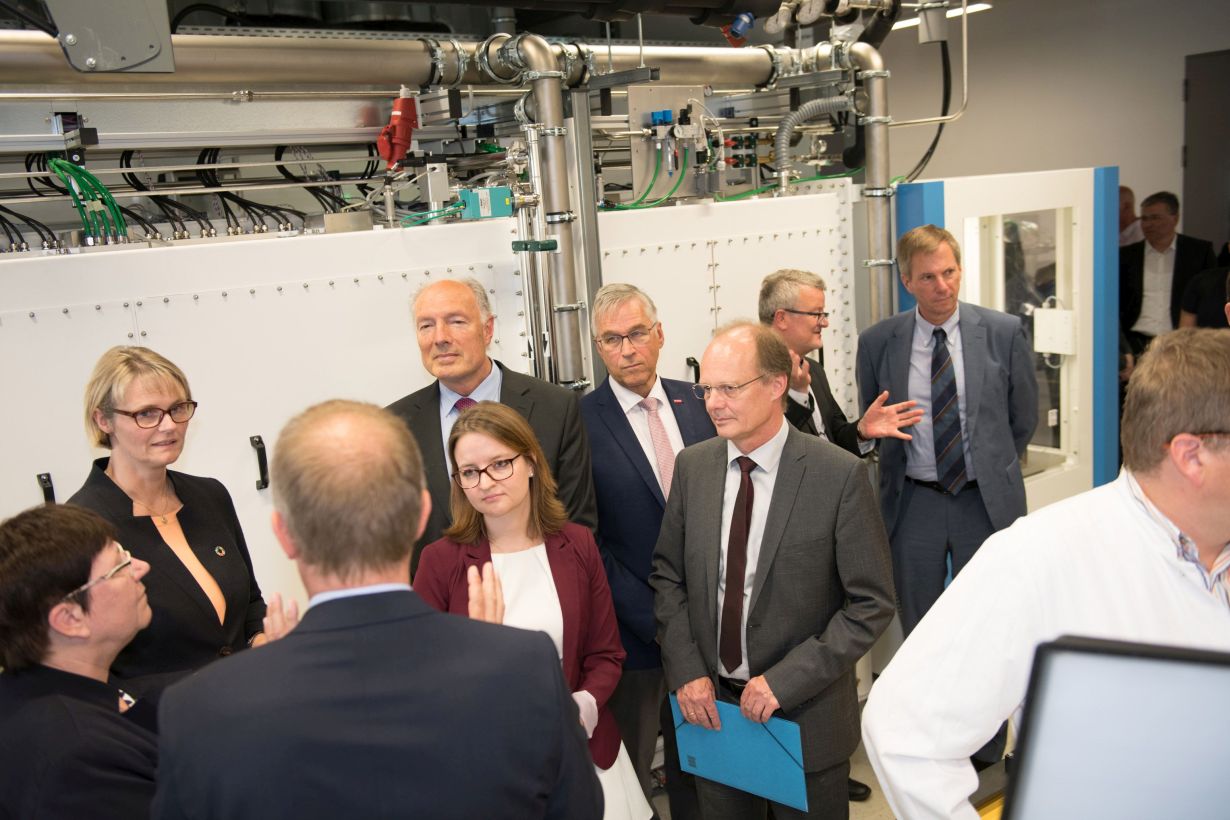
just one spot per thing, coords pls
(792, 302)
(971, 370)
(375, 704)
(70, 599)
(1154, 273)
(454, 324)
(771, 573)
(634, 440)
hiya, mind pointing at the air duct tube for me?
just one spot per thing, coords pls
(785, 129)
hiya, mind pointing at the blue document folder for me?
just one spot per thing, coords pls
(765, 759)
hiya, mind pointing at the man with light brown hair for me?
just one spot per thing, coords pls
(375, 702)
(1145, 558)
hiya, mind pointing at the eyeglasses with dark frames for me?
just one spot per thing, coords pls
(125, 562)
(148, 418)
(501, 469)
(727, 391)
(614, 341)
(818, 315)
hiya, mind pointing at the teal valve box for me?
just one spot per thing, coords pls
(485, 203)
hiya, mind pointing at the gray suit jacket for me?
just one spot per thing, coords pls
(1001, 403)
(554, 414)
(823, 590)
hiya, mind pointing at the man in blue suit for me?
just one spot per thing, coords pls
(637, 423)
(971, 371)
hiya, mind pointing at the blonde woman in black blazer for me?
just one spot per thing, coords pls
(204, 596)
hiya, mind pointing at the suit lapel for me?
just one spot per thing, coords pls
(710, 487)
(973, 354)
(791, 473)
(569, 589)
(899, 350)
(514, 392)
(686, 408)
(425, 425)
(613, 416)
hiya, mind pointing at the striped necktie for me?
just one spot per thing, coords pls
(946, 417)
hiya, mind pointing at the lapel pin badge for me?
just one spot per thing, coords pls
(220, 551)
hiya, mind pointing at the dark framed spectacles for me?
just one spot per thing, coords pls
(818, 315)
(728, 391)
(149, 417)
(125, 562)
(467, 478)
(614, 341)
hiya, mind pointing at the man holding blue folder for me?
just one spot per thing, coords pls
(771, 575)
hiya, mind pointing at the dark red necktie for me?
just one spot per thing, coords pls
(730, 637)
(464, 403)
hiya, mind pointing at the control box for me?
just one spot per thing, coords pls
(485, 203)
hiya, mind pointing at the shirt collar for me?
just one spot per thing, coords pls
(629, 400)
(768, 455)
(354, 592)
(1150, 249)
(1185, 548)
(926, 330)
(488, 390)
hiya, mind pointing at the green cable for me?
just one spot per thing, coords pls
(895, 180)
(96, 204)
(409, 222)
(683, 172)
(657, 168)
(100, 192)
(68, 184)
(773, 186)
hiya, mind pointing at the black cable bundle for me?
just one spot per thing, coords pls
(926, 158)
(329, 201)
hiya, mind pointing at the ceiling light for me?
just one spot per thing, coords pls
(913, 21)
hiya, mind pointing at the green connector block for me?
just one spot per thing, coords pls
(534, 245)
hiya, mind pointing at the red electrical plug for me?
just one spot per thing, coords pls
(396, 137)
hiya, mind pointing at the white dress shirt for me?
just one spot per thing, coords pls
(767, 457)
(488, 390)
(809, 399)
(1155, 299)
(638, 417)
(920, 451)
(354, 592)
(1101, 564)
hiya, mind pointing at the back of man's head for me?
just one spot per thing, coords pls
(348, 482)
(45, 554)
(1180, 386)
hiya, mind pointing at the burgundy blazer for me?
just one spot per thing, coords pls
(593, 655)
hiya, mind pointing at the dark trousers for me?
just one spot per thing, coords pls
(827, 798)
(932, 528)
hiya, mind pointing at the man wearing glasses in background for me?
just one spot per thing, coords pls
(772, 574)
(637, 424)
(74, 744)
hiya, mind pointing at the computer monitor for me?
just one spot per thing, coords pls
(1123, 730)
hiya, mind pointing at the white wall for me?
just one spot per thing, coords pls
(1059, 84)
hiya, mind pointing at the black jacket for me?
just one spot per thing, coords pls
(1191, 256)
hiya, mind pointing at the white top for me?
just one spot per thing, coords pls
(1099, 564)
(532, 602)
(488, 390)
(638, 417)
(767, 457)
(1155, 300)
(920, 451)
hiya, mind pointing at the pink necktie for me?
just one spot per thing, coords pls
(464, 403)
(663, 453)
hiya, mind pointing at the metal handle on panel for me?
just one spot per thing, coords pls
(49, 490)
(695, 365)
(262, 463)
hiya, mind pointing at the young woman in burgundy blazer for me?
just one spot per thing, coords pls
(509, 506)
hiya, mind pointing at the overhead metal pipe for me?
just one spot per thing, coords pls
(877, 192)
(34, 61)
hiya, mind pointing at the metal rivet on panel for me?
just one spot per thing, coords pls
(380, 276)
(448, 270)
(64, 311)
(98, 307)
(166, 300)
(491, 290)
(31, 314)
(196, 297)
(142, 334)
(224, 294)
(305, 285)
(252, 291)
(490, 266)
(355, 280)
(404, 275)
(518, 294)
(279, 288)
(129, 335)
(139, 304)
